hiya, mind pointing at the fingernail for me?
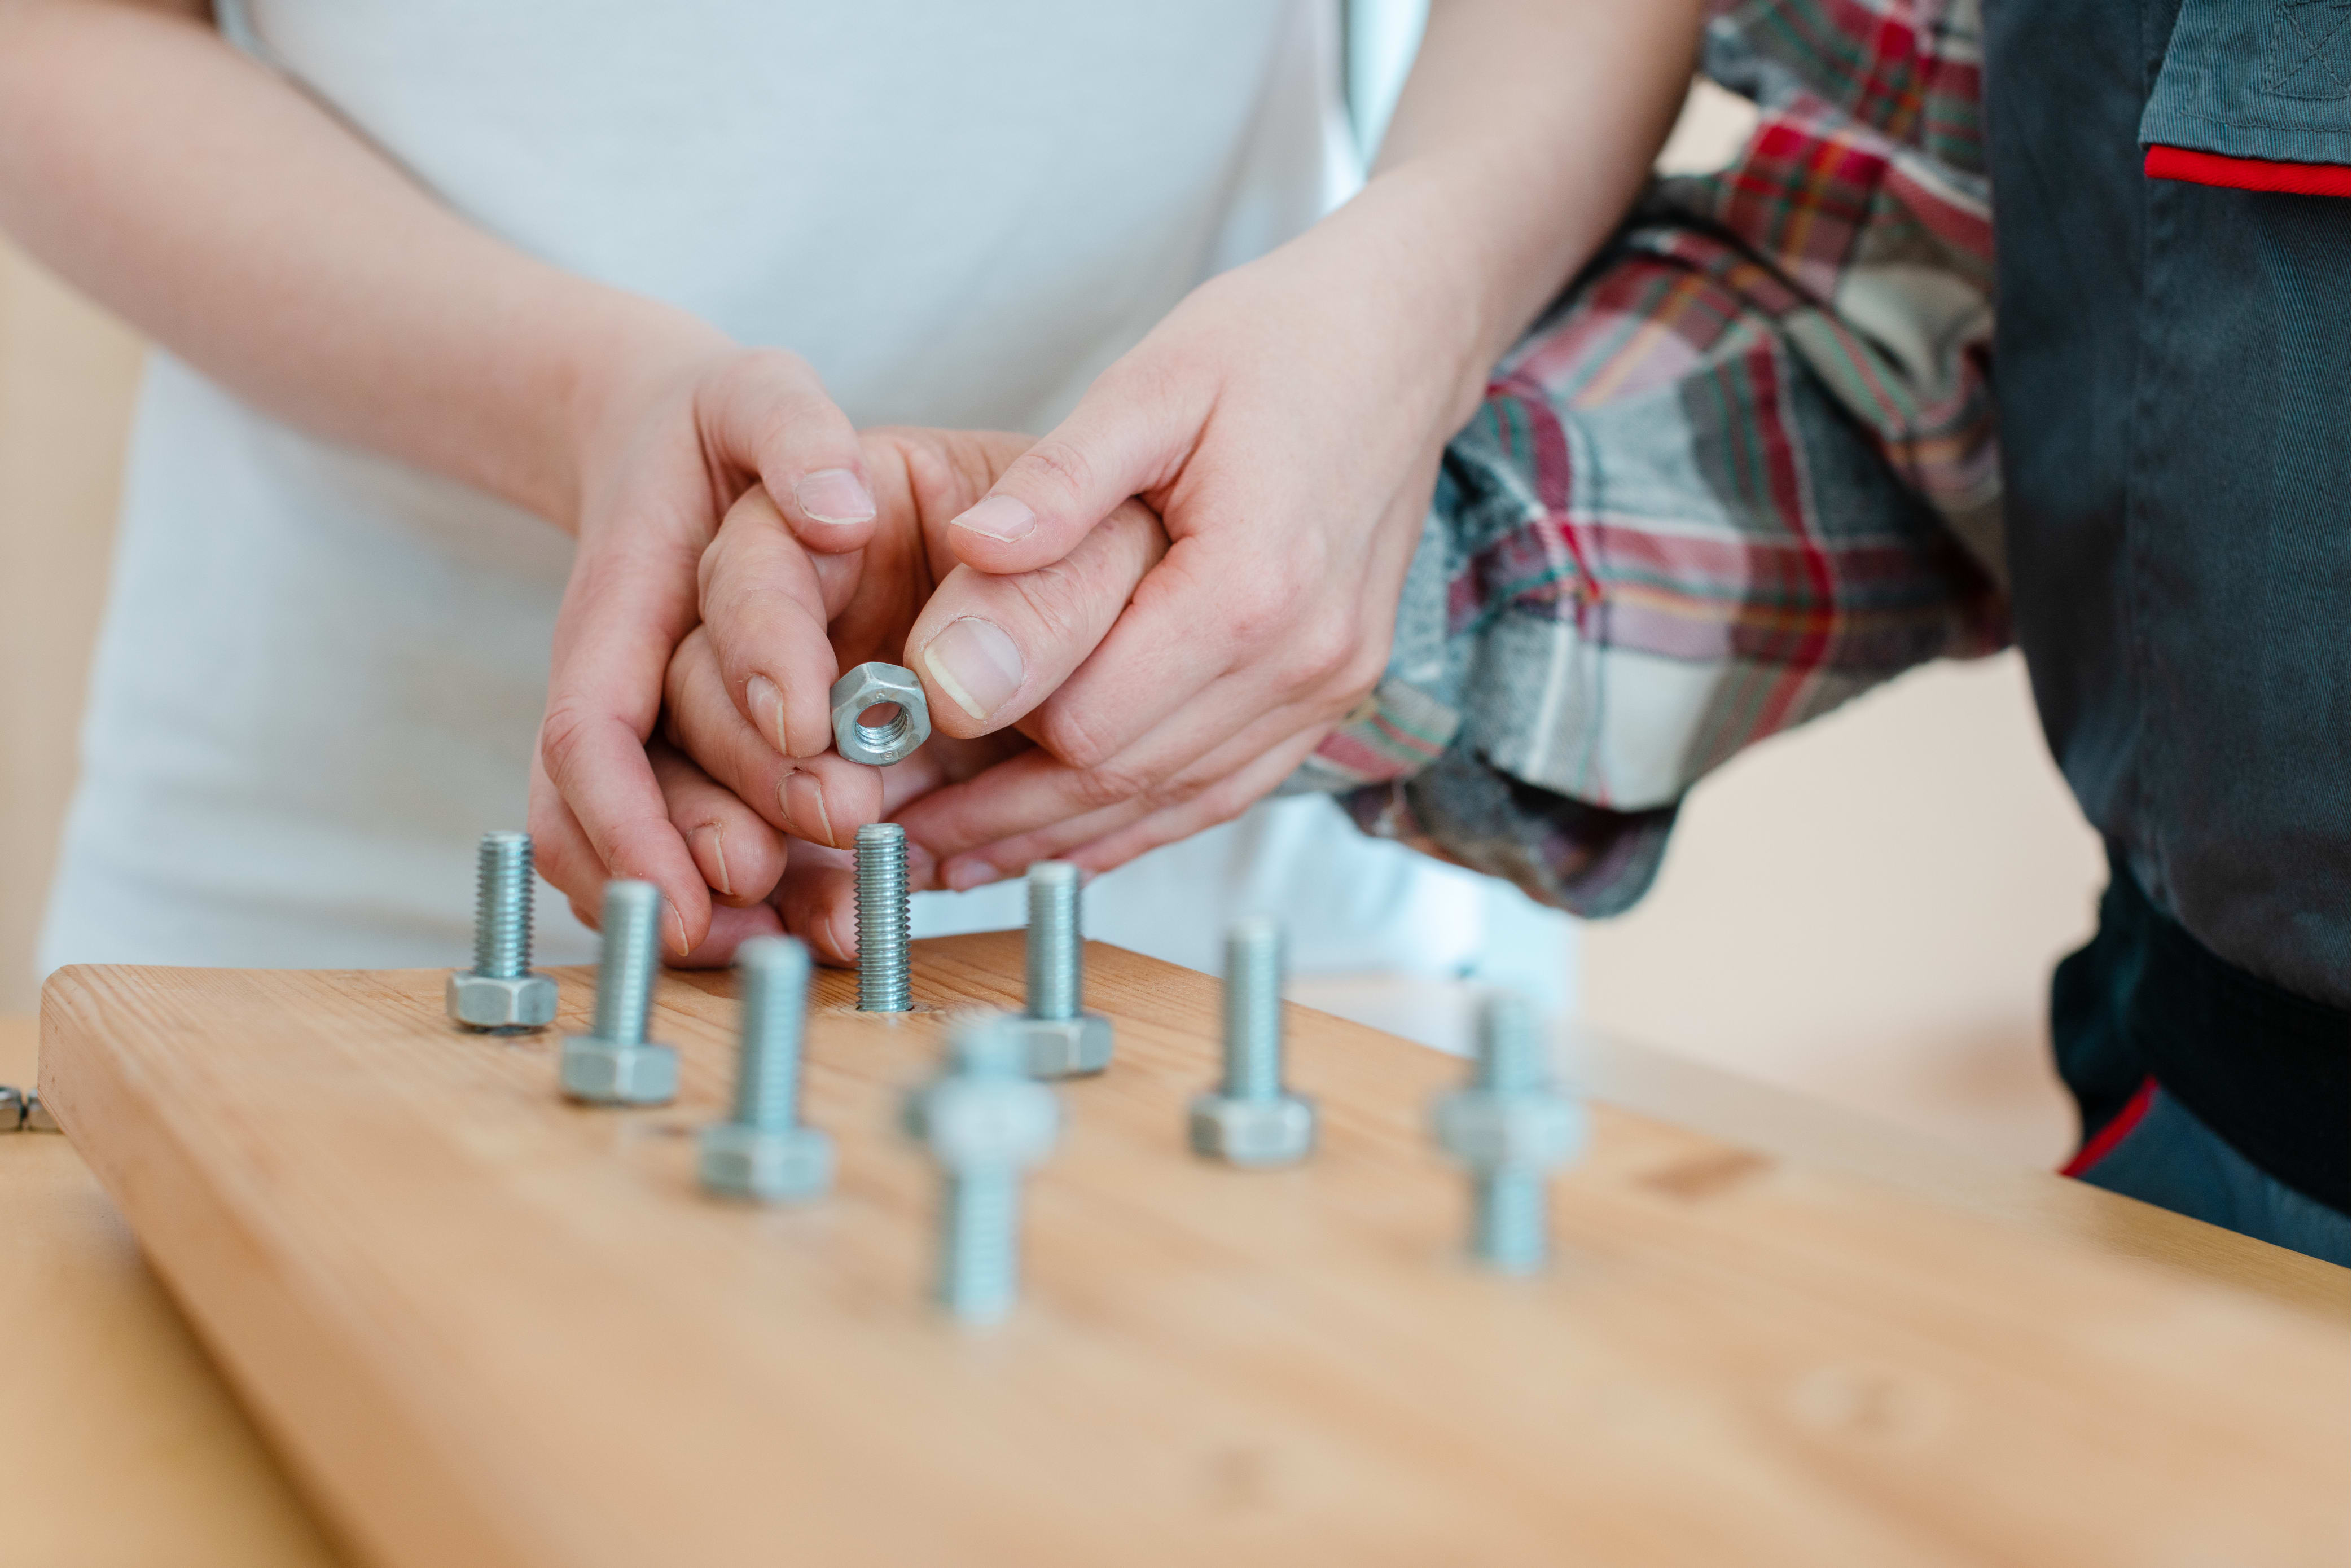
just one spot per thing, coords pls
(714, 836)
(1005, 517)
(677, 934)
(768, 708)
(834, 495)
(962, 876)
(976, 663)
(803, 800)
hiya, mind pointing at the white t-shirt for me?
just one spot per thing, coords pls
(322, 672)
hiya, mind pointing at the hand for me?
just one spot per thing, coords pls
(1287, 422)
(768, 818)
(667, 448)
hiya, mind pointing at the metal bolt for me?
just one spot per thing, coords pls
(1061, 1039)
(984, 1122)
(500, 994)
(765, 1151)
(616, 1064)
(882, 985)
(1251, 1119)
(1511, 1127)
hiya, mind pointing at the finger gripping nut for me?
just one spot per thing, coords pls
(879, 686)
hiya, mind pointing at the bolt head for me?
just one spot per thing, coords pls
(1524, 1130)
(605, 1072)
(743, 1161)
(507, 1007)
(1064, 1048)
(1255, 1133)
(971, 1121)
(870, 686)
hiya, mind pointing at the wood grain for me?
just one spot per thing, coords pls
(119, 1445)
(493, 1328)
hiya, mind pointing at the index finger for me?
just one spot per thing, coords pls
(628, 604)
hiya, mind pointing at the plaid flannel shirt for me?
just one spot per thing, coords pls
(1741, 471)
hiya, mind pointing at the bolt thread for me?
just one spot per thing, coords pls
(624, 971)
(773, 972)
(1509, 1229)
(1053, 944)
(882, 986)
(502, 891)
(1512, 1054)
(980, 1260)
(1254, 1010)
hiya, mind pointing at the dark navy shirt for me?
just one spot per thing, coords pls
(2170, 368)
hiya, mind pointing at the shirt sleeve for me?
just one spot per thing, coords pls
(1743, 469)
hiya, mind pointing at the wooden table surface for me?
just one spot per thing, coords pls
(120, 1444)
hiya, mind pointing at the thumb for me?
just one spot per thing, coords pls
(1128, 437)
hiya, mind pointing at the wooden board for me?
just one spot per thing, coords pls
(490, 1327)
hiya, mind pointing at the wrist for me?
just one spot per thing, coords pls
(1446, 279)
(622, 358)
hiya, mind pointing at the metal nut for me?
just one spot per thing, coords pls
(738, 1161)
(1522, 1129)
(1277, 1131)
(12, 1108)
(1064, 1048)
(984, 1122)
(876, 685)
(493, 1002)
(606, 1072)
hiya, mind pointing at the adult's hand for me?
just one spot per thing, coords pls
(686, 426)
(1287, 422)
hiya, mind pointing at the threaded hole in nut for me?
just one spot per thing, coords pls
(882, 726)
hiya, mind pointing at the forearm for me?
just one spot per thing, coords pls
(1524, 133)
(245, 228)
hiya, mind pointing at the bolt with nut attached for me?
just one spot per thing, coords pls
(1511, 1127)
(1062, 1039)
(616, 1064)
(882, 980)
(500, 994)
(986, 1122)
(1251, 1119)
(765, 1151)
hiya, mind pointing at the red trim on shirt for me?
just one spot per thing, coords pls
(2248, 174)
(2115, 1131)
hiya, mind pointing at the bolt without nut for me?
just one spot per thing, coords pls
(614, 1064)
(1062, 1039)
(501, 994)
(1251, 1119)
(1510, 1126)
(765, 1151)
(984, 1122)
(882, 980)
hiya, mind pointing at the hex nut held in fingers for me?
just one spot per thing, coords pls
(873, 685)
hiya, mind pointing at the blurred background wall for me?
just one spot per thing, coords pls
(1866, 911)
